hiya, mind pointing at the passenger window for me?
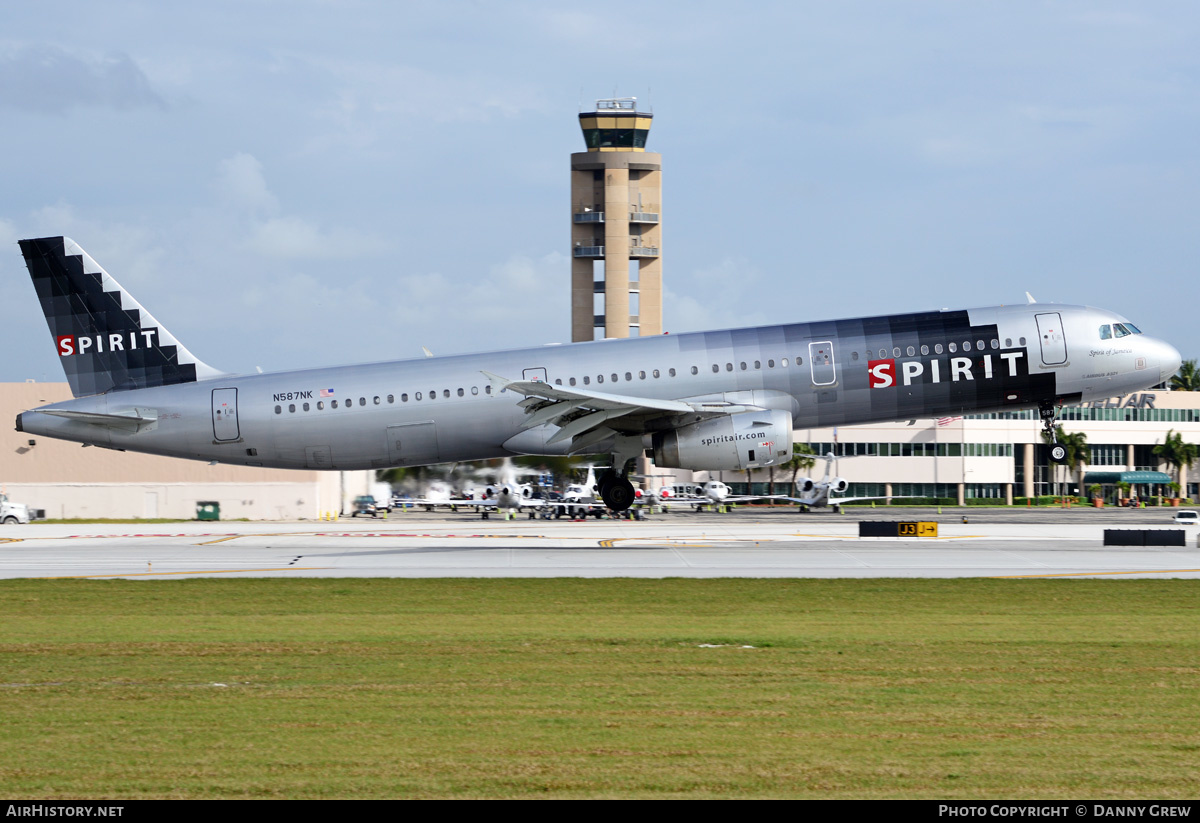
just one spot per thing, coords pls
(728, 367)
(695, 370)
(966, 345)
(461, 392)
(911, 351)
(305, 407)
(783, 363)
(391, 398)
(1021, 341)
(279, 410)
(951, 347)
(995, 343)
(558, 381)
(487, 389)
(716, 368)
(770, 364)
(320, 405)
(599, 378)
(641, 375)
(362, 401)
(979, 345)
(416, 396)
(671, 372)
(799, 361)
(586, 380)
(743, 365)
(474, 391)
(757, 365)
(404, 397)
(1008, 342)
(376, 401)
(291, 408)
(614, 378)
(446, 393)
(896, 352)
(629, 376)
(937, 348)
(572, 381)
(333, 403)
(655, 373)
(924, 350)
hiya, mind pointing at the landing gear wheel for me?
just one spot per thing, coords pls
(1058, 453)
(617, 493)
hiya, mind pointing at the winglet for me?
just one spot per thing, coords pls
(1029, 298)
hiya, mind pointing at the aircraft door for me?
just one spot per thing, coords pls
(1054, 342)
(224, 414)
(413, 444)
(820, 359)
(537, 374)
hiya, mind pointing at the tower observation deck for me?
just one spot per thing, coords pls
(616, 226)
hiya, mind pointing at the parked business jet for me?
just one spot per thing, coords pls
(815, 494)
(720, 400)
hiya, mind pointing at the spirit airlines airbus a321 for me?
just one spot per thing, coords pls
(719, 400)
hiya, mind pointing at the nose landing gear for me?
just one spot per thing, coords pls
(1049, 414)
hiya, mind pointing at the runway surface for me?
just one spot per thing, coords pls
(992, 543)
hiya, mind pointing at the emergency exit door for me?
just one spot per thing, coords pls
(224, 414)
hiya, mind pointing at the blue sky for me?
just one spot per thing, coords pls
(290, 184)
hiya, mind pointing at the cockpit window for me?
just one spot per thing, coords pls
(1133, 328)
(1119, 330)
(1105, 332)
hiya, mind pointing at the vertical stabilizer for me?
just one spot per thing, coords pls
(104, 338)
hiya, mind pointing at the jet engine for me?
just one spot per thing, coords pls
(838, 485)
(746, 440)
(806, 485)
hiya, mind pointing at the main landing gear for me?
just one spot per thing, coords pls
(616, 491)
(1049, 413)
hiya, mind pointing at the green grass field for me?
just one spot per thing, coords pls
(600, 688)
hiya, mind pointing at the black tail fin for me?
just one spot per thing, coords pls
(105, 339)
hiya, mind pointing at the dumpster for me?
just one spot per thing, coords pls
(208, 510)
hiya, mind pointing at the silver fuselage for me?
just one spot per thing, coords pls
(823, 373)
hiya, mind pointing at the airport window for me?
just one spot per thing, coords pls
(937, 348)
(671, 372)
(952, 348)
(320, 405)
(306, 407)
(291, 408)
(474, 390)
(924, 350)
(404, 397)
(911, 351)
(461, 392)
(279, 410)
(571, 381)
(333, 404)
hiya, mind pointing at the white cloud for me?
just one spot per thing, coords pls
(241, 183)
(48, 78)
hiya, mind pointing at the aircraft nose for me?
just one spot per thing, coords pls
(1169, 359)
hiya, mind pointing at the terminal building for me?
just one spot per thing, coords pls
(1000, 456)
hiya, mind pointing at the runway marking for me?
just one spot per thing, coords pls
(857, 537)
(11, 539)
(219, 540)
(195, 571)
(1092, 574)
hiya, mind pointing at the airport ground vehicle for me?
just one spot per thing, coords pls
(12, 513)
(1187, 517)
(366, 504)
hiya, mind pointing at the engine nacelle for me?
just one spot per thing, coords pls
(746, 440)
(838, 485)
(806, 485)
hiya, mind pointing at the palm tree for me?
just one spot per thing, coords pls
(803, 459)
(1187, 378)
(1078, 453)
(1176, 453)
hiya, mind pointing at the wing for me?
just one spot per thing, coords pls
(586, 417)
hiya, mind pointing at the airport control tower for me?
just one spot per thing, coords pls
(616, 192)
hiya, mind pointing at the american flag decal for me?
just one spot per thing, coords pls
(327, 392)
